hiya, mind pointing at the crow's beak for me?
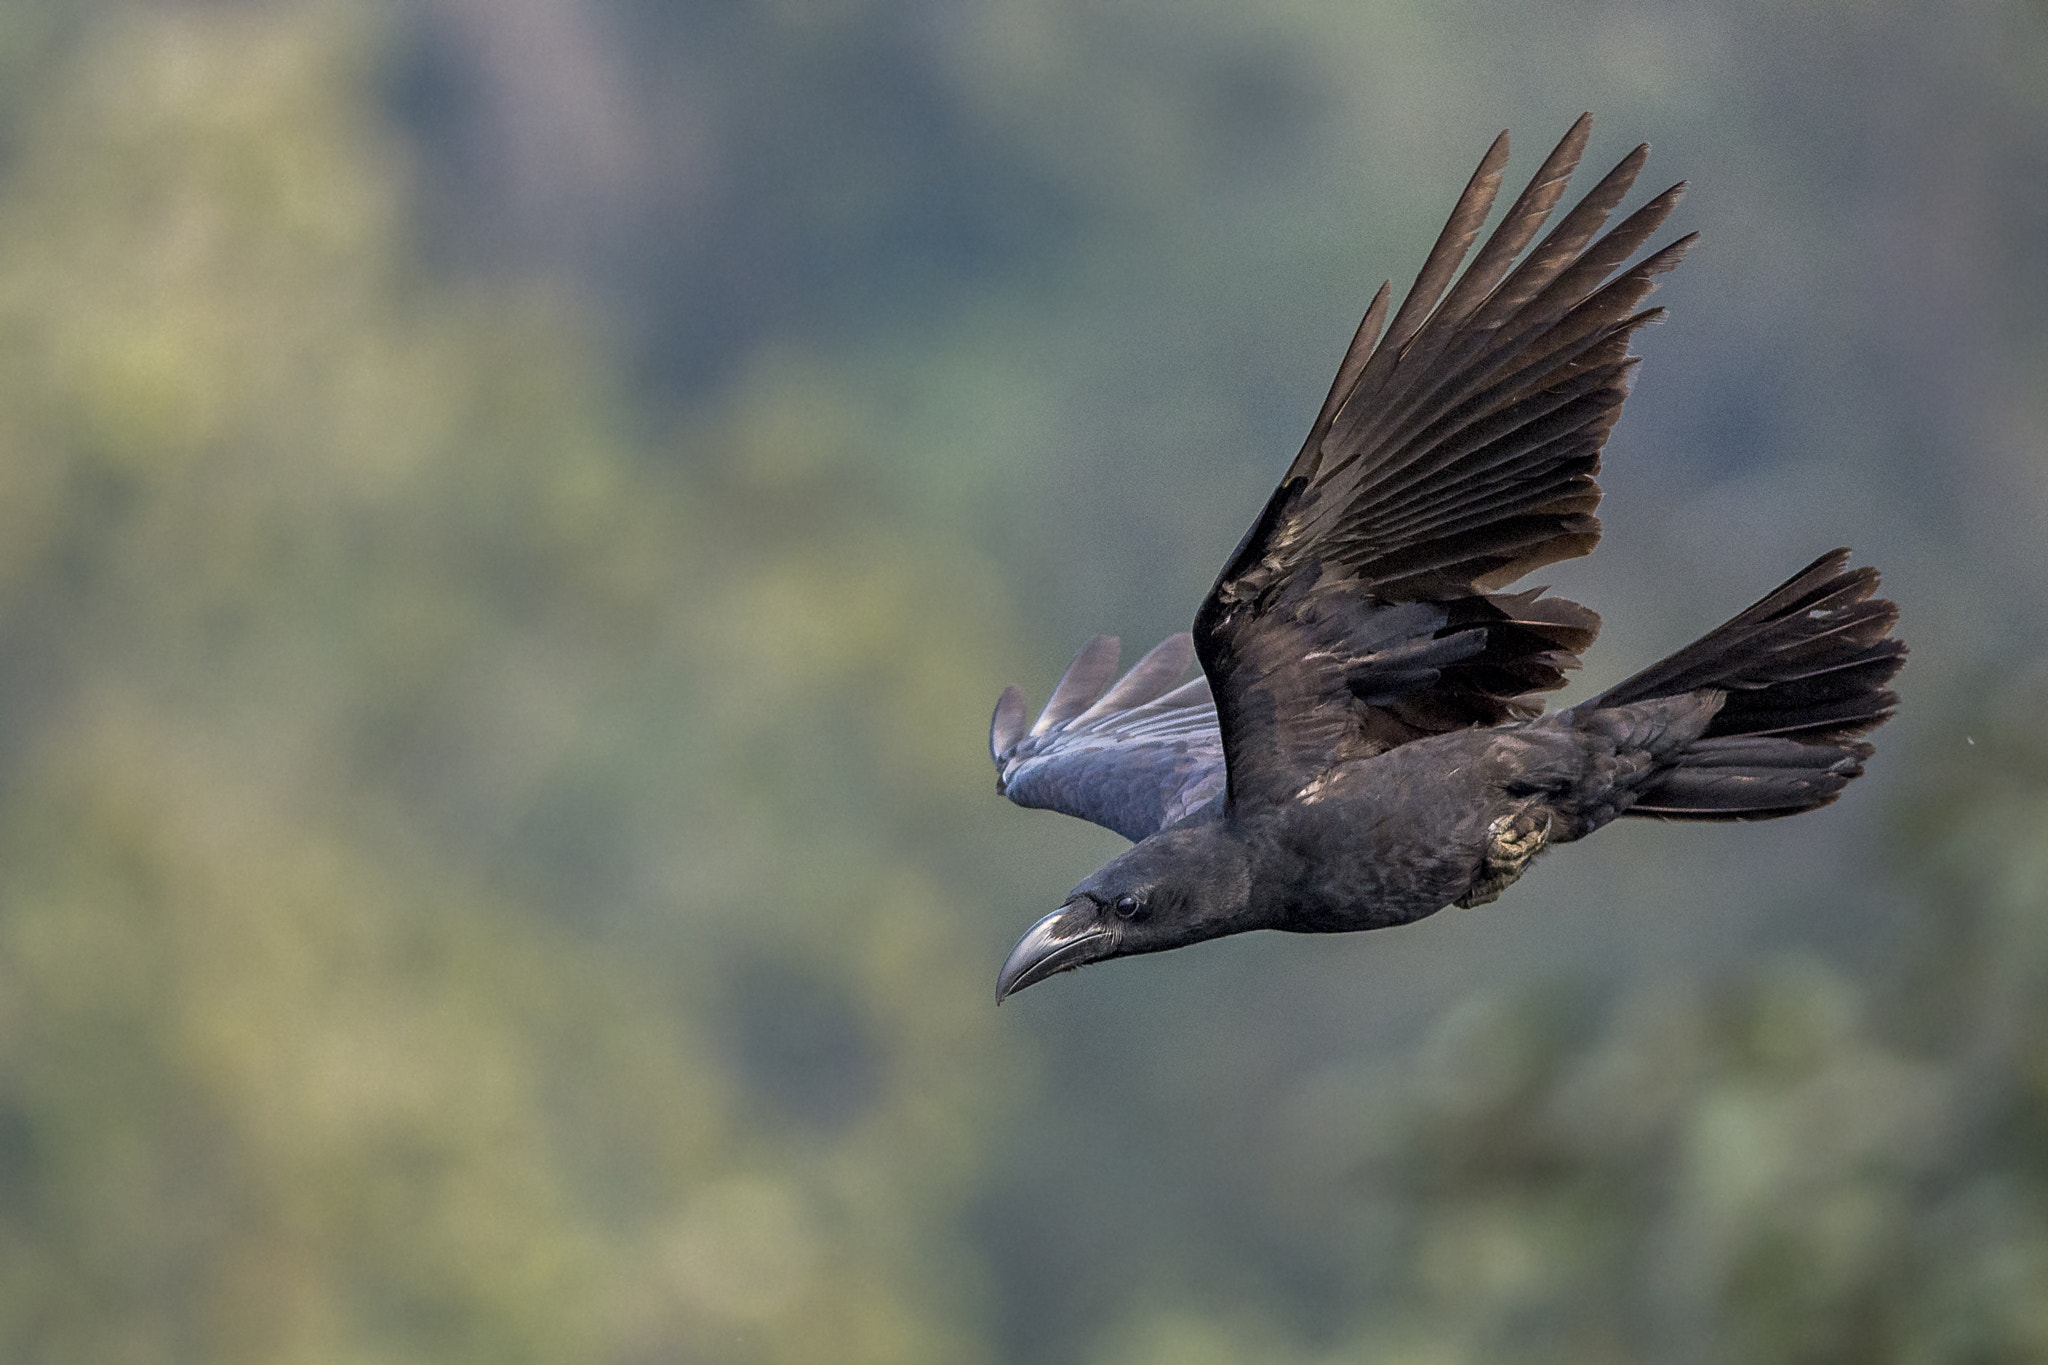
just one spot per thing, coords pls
(1065, 939)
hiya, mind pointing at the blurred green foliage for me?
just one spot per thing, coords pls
(496, 861)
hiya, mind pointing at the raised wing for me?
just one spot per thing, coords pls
(1133, 758)
(1449, 459)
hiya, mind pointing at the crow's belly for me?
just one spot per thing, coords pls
(1341, 866)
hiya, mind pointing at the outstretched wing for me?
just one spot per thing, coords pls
(1133, 758)
(1449, 459)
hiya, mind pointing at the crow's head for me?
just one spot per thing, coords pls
(1180, 886)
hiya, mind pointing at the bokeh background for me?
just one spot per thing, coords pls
(513, 514)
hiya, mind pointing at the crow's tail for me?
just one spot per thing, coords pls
(1803, 673)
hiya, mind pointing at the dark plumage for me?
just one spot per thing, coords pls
(1366, 743)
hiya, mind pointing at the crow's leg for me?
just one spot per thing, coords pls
(1514, 839)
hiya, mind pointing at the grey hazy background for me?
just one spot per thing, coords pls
(512, 518)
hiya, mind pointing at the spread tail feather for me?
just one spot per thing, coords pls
(1802, 673)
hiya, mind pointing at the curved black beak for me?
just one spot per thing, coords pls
(1063, 940)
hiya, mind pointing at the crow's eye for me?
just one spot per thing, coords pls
(1126, 906)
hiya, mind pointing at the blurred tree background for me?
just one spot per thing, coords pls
(512, 516)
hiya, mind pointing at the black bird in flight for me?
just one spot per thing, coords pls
(1365, 744)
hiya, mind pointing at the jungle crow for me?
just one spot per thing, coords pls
(1365, 744)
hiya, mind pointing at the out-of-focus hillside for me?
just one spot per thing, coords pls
(512, 517)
